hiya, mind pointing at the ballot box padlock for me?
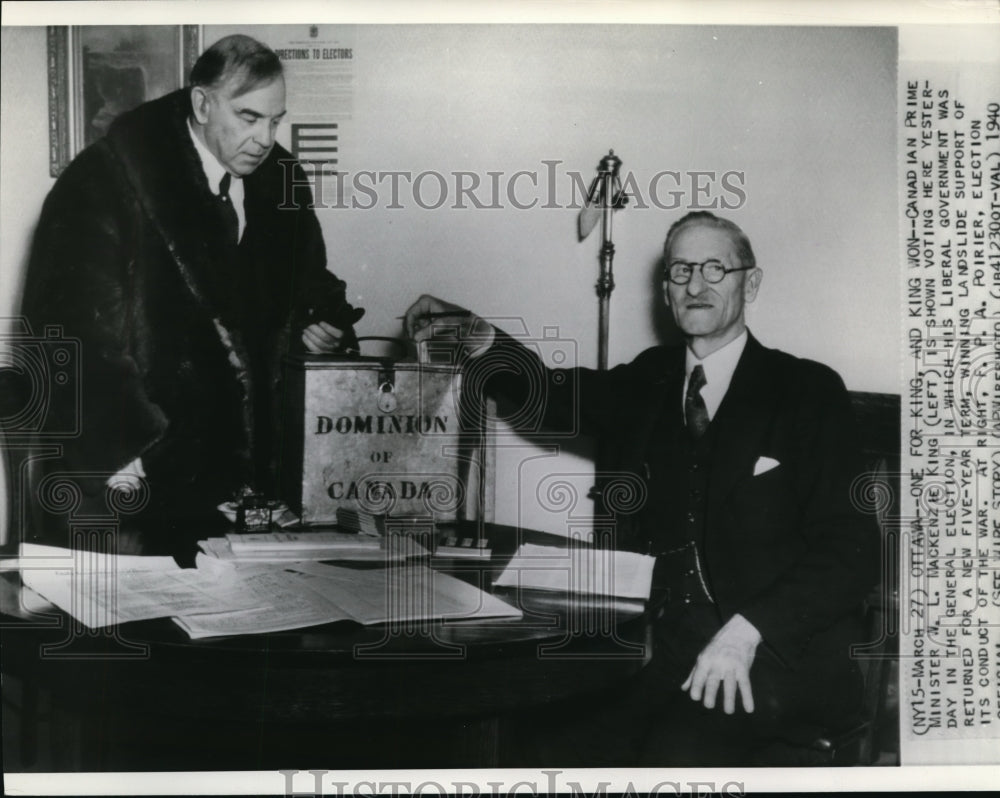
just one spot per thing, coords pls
(387, 397)
(381, 436)
(254, 511)
(253, 516)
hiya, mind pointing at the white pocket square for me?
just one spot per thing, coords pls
(764, 464)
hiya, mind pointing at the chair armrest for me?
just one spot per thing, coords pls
(833, 742)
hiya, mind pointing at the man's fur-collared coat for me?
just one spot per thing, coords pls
(181, 332)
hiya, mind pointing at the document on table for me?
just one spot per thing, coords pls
(579, 569)
(309, 594)
(102, 590)
(219, 598)
(407, 593)
(286, 601)
(283, 541)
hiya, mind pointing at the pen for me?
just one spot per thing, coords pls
(447, 314)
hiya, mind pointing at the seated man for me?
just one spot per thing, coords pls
(748, 454)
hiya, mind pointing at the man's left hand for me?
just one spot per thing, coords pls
(726, 660)
(322, 338)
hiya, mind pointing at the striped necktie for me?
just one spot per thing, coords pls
(228, 211)
(695, 411)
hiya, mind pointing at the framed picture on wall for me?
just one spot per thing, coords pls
(97, 72)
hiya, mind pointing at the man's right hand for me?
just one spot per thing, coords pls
(322, 338)
(725, 662)
(466, 328)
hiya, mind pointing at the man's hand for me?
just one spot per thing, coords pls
(322, 338)
(727, 659)
(466, 328)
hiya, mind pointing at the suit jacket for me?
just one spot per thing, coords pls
(130, 257)
(787, 549)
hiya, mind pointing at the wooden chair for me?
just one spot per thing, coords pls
(875, 740)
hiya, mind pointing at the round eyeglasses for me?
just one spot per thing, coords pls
(680, 272)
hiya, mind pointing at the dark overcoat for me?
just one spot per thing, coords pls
(181, 332)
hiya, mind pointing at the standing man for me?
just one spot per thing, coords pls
(173, 249)
(748, 454)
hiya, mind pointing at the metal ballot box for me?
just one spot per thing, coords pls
(380, 436)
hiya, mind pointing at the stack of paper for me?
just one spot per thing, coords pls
(302, 546)
(454, 546)
(369, 524)
(579, 569)
(246, 598)
(357, 521)
(102, 590)
(309, 594)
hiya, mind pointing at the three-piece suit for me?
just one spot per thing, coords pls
(758, 511)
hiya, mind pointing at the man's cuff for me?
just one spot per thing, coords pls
(752, 632)
(479, 343)
(128, 477)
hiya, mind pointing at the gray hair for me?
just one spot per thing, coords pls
(236, 56)
(708, 219)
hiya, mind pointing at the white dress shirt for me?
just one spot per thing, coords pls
(719, 367)
(215, 171)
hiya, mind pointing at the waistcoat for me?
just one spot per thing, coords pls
(672, 523)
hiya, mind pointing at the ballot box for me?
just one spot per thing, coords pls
(383, 437)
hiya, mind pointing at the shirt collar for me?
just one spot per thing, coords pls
(720, 365)
(214, 171)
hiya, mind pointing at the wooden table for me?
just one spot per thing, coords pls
(432, 694)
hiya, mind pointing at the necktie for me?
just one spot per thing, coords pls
(228, 211)
(694, 406)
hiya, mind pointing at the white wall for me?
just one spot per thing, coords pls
(807, 115)
(24, 152)
(24, 172)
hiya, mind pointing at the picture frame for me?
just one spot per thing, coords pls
(96, 72)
